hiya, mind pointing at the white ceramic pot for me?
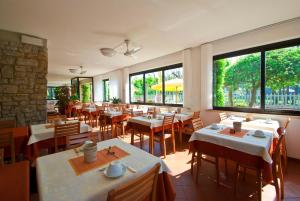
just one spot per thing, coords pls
(90, 152)
(114, 169)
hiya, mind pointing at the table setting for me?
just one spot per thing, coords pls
(104, 166)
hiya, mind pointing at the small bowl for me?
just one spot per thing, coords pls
(215, 126)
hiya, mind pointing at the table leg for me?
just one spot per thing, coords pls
(112, 130)
(259, 184)
(180, 135)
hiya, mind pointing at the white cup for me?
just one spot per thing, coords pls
(114, 169)
(215, 126)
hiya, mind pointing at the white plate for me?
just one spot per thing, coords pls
(115, 176)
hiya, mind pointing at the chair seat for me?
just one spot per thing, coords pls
(159, 135)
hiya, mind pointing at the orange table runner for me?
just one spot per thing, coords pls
(103, 158)
(240, 134)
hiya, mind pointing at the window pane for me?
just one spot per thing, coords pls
(283, 79)
(106, 90)
(237, 81)
(154, 87)
(174, 86)
(137, 88)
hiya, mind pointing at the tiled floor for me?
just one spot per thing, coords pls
(207, 189)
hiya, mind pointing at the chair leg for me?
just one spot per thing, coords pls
(173, 141)
(164, 143)
(244, 174)
(132, 136)
(199, 155)
(192, 163)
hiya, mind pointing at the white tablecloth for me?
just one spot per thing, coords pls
(180, 117)
(58, 181)
(247, 144)
(113, 113)
(90, 109)
(258, 124)
(39, 132)
(152, 123)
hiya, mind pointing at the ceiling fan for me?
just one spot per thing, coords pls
(77, 70)
(109, 52)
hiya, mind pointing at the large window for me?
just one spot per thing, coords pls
(106, 96)
(264, 79)
(162, 86)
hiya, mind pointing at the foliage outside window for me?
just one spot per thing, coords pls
(163, 86)
(51, 93)
(86, 92)
(106, 96)
(263, 79)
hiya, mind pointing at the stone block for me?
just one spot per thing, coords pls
(23, 68)
(27, 62)
(10, 60)
(7, 71)
(9, 89)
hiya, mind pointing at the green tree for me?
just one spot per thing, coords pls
(244, 73)
(219, 67)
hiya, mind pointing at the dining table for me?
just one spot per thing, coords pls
(15, 181)
(42, 136)
(58, 180)
(245, 147)
(147, 125)
(258, 124)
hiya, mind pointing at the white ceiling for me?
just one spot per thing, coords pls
(76, 29)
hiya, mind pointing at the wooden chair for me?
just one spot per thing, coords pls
(196, 125)
(66, 131)
(277, 174)
(222, 116)
(103, 125)
(151, 110)
(139, 189)
(281, 130)
(7, 140)
(196, 115)
(168, 125)
(7, 124)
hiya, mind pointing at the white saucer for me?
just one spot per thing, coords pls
(115, 176)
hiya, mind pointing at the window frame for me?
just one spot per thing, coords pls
(104, 90)
(262, 50)
(52, 88)
(163, 69)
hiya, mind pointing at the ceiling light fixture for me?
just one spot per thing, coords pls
(77, 70)
(109, 52)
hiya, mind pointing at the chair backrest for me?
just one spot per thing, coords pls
(151, 110)
(168, 122)
(196, 115)
(222, 116)
(138, 189)
(7, 124)
(137, 113)
(65, 130)
(287, 123)
(277, 172)
(52, 118)
(197, 124)
(7, 140)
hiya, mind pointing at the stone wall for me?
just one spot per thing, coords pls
(23, 83)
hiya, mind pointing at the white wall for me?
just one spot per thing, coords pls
(197, 63)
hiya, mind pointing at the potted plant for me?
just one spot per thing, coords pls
(115, 100)
(62, 94)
